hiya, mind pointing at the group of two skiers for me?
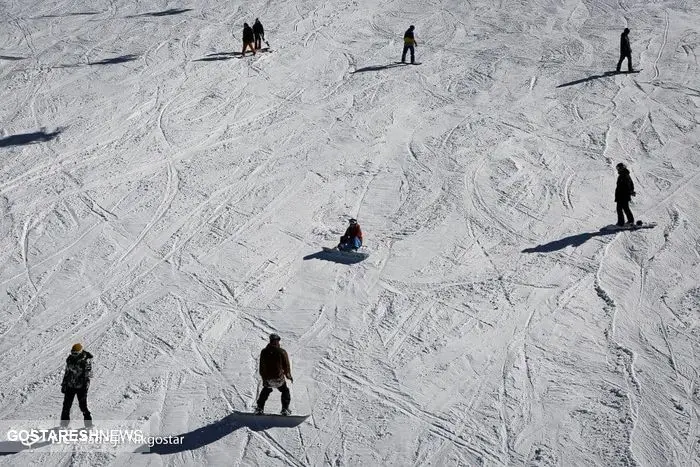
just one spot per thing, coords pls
(253, 37)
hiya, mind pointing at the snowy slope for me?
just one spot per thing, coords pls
(162, 202)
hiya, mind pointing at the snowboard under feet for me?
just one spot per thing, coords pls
(636, 226)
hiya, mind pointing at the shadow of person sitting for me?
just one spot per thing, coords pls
(28, 138)
(334, 257)
(573, 240)
(215, 431)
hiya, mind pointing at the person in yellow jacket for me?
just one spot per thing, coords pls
(409, 43)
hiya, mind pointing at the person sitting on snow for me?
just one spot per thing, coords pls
(352, 240)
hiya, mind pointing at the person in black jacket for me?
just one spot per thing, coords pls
(623, 195)
(625, 50)
(247, 39)
(259, 33)
(409, 43)
(76, 382)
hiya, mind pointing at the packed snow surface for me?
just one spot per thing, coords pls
(165, 203)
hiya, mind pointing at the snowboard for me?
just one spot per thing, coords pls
(638, 225)
(355, 254)
(615, 72)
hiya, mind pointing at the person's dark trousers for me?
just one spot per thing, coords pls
(68, 403)
(265, 393)
(623, 209)
(258, 42)
(406, 48)
(622, 59)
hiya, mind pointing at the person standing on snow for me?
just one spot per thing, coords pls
(247, 39)
(76, 382)
(409, 43)
(274, 368)
(625, 50)
(352, 239)
(259, 33)
(623, 195)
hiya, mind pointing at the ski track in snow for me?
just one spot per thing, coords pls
(163, 201)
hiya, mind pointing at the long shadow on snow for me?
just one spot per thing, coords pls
(379, 67)
(211, 433)
(217, 56)
(64, 15)
(591, 78)
(28, 138)
(573, 240)
(8, 448)
(116, 60)
(170, 12)
(333, 257)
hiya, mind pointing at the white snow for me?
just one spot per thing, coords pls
(165, 227)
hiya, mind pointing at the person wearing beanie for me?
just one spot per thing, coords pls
(76, 382)
(623, 195)
(248, 38)
(352, 239)
(409, 43)
(274, 368)
(259, 33)
(625, 50)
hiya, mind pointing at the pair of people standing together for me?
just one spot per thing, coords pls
(253, 37)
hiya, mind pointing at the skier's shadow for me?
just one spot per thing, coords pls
(218, 56)
(211, 433)
(116, 60)
(170, 12)
(8, 448)
(591, 78)
(378, 67)
(334, 257)
(28, 138)
(573, 240)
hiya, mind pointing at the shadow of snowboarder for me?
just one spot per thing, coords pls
(379, 67)
(591, 78)
(28, 138)
(116, 60)
(573, 240)
(213, 432)
(169, 12)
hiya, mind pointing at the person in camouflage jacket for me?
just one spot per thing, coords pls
(76, 382)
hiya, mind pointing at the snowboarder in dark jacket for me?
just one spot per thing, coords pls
(247, 39)
(409, 43)
(274, 368)
(259, 33)
(625, 50)
(352, 239)
(76, 382)
(623, 195)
